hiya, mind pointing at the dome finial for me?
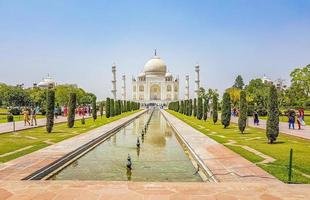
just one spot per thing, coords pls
(155, 53)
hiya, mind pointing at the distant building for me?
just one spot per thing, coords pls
(279, 83)
(47, 82)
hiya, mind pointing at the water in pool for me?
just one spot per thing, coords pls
(159, 158)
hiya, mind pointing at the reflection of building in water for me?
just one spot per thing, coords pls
(155, 84)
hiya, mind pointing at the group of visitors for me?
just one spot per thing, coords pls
(30, 115)
(296, 115)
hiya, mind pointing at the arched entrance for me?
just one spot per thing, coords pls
(155, 92)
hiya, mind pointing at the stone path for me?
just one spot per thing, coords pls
(99, 190)
(21, 167)
(304, 133)
(19, 125)
(224, 164)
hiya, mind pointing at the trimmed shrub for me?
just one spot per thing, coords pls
(50, 110)
(226, 110)
(108, 108)
(205, 109)
(195, 107)
(199, 109)
(101, 109)
(214, 108)
(94, 107)
(243, 114)
(10, 118)
(272, 130)
(190, 107)
(71, 109)
(112, 108)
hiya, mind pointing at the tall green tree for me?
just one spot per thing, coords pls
(108, 108)
(205, 109)
(94, 107)
(239, 82)
(243, 111)
(215, 108)
(50, 106)
(71, 109)
(272, 130)
(199, 109)
(300, 85)
(195, 107)
(226, 110)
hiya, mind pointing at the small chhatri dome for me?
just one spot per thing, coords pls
(155, 66)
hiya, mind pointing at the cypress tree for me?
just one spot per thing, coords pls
(101, 109)
(107, 108)
(243, 114)
(112, 108)
(190, 107)
(116, 108)
(71, 109)
(119, 106)
(272, 130)
(50, 106)
(195, 107)
(94, 107)
(128, 106)
(226, 110)
(185, 107)
(182, 107)
(215, 108)
(199, 108)
(205, 109)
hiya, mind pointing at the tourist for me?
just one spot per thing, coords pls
(299, 121)
(291, 119)
(33, 116)
(26, 116)
(256, 119)
(65, 111)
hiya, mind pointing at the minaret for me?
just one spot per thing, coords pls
(113, 81)
(197, 81)
(124, 88)
(187, 87)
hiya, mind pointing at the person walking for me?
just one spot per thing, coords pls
(26, 116)
(299, 121)
(33, 116)
(291, 120)
(256, 119)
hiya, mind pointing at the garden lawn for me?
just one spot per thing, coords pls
(256, 139)
(33, 139)
(3, 118)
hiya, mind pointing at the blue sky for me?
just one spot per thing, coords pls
(77, 41)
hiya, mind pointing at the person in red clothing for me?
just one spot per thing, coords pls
(65, 111)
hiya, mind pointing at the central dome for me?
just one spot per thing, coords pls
(155, 66)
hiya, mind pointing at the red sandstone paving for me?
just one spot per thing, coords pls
(138, 190)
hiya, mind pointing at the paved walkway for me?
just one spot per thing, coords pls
(304, 133)
(23, 166)
(224, 164)
(19, 125)
(99, 190)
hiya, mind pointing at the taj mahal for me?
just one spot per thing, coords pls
(155, 84)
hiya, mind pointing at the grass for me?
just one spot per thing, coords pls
(38, 138)
(256, 139)
(3, 118)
